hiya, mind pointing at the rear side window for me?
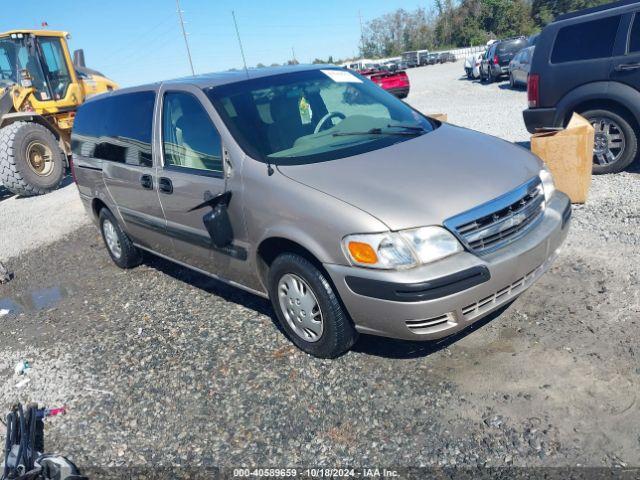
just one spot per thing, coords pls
(88, 127)
(116, 129)
(634, 37)
(586, 41)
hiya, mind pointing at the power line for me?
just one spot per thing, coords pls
(184, 34)
(244, 60)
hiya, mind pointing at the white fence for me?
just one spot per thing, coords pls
(460, 53)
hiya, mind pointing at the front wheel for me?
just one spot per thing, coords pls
(512, 82)
(31, 162)
(616, 141)
(308, 309)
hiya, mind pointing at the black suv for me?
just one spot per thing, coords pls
(495, 63)
(589, 62)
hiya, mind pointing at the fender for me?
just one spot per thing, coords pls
(613, 91)
(295, 234)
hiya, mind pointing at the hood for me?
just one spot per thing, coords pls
(424, 180)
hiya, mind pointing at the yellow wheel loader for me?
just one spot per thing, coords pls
(40, 90)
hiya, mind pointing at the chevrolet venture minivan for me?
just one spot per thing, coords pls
(313, 187)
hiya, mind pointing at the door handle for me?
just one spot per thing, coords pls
(627, 67)
(147, 182)
(165, 185)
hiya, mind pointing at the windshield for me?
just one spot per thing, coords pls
(15, 56)
(21, 54)
(313, 116)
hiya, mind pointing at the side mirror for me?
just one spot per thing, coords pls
(217, 221)
(78, 58)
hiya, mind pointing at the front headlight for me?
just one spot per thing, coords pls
(432, 243)
(547, 182)
(397, 250)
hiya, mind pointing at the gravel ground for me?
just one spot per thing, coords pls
(30, 223)
(162, 366)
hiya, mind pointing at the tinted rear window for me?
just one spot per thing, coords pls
(511, 46)
(116, 128)
(585, 41)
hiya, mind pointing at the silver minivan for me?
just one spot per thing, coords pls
(311, 186)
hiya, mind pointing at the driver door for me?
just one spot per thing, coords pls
(192, 171)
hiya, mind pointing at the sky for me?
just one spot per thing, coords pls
(135, 42)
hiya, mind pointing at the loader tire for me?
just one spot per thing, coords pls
(31, 162)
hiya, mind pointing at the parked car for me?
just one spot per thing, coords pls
(397, 82)
(472, 65)
(495, 63)
(308, 185)
(432, 59)
(412, 58)
(589, 62)
(447, 57)
(519, 67)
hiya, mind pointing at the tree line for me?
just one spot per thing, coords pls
(461, 23)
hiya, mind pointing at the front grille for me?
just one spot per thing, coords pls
(501, 221)
(473, 310)
(431, 325)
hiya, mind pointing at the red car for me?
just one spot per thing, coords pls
(396, 83)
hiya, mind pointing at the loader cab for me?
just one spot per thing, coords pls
(39, 61)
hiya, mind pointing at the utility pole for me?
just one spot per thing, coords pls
(244, 60)
(184, 34)
(293, 52)
(361, 33)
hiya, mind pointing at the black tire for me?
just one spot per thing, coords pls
(130, 255)
(338, 334)
(512, 82)
(630, 151)
(15, 171)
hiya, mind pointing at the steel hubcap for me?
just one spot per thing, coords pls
(40, 159)
(300, 307)
(609, 141)
(111, 237)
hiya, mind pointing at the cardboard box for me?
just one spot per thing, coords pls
(441, 117)
(568, 154)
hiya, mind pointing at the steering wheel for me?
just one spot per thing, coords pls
(328, 117)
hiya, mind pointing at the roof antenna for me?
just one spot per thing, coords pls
(244, 60)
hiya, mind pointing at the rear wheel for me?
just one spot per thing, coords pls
(616, 141)
(120, 247)
(308, 309)
(31, 162)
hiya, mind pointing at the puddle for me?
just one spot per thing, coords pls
(9, 307)
(35, 300)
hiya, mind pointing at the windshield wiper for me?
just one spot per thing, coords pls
(379, 131)
(415, 128)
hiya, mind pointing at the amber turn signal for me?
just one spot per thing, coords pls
(362, 253)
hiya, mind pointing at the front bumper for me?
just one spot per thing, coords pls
(511, 270)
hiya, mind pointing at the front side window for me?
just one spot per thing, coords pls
(634, 36)
(586, 40)
(190, 140)
(55, 66)
(314, 115)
